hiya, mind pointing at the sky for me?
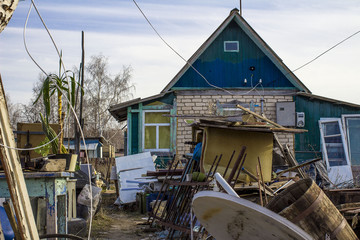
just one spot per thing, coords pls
(297, 31)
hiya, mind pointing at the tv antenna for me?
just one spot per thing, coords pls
(240, 8)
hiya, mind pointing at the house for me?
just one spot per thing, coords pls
(335, 123)
(94, 146)
(233, 66)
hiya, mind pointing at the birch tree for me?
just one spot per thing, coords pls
(102, 90)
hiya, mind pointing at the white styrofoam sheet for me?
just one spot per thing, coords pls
(129, 169)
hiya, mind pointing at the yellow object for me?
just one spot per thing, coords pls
(198, 176)
(224, 141)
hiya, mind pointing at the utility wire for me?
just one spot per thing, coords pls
(157, 33)
(72, 109)
(352, 35)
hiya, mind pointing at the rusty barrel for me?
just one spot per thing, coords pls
(306, 205)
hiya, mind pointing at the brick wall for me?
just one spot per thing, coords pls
(203, 104)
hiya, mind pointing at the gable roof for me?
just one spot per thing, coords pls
(255, 38)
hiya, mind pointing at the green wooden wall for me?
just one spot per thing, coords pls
(135, 125)
(307, 145)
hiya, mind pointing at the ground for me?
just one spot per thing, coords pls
(111, 222)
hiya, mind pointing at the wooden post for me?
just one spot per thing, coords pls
(14, 175)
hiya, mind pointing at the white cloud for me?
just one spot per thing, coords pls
(296, 30)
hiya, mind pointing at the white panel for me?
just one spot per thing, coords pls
(130, 170)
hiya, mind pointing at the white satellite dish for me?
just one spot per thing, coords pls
(229, 217)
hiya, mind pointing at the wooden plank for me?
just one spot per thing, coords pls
(288, 156)
(295, 167)
(14, 175)
(259, 116)
(10, 214)
(293, 161)
(289, 130)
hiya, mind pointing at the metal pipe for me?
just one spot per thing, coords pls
(236, 165)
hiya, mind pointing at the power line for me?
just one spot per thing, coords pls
(72, 109)
(352, 35)
(157, 33)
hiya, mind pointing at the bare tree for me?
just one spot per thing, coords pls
(103, 90)
(30, 112)
(15, 112)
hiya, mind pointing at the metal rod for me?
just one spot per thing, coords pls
(227, 167)
(256, 179)
(161, 190)
(239, 171)
(236, 165)
(298, 166)
(259, 185)
(177, 192)
(217, 164)
(262, 180)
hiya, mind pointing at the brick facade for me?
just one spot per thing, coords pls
(204, 104)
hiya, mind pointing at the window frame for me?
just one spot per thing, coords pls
(343, 144)
(237, 44)
(345, 118)
(157, 125)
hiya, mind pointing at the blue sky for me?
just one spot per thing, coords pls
(296, 30)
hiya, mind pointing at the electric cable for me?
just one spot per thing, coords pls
(177, 53)
(72, 109)
(337, 44)
(187, 62)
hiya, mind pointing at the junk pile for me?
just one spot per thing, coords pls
(269, 195)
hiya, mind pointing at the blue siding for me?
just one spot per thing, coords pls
(229, 69)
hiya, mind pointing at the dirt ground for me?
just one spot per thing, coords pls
(111, 222)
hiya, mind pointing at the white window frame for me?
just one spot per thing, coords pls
(344, 118)
(237, 44)
(157, 125)
(337, 174)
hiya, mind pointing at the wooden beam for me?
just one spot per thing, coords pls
(289, 157)
(259, 116)
(14, 175)
(298, 166)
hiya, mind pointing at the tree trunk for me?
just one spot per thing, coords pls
(7, 8)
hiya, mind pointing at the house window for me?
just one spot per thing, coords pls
(156, 135)
(351, 125)
(231, 46)
(334, 146)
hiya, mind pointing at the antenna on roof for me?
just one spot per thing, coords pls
(240, 8)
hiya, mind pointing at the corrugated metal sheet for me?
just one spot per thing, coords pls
(89, 147)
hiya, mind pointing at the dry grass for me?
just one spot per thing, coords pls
(113, 223)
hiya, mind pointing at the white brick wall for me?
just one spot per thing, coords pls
(200, 104)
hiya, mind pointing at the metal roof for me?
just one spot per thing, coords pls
(119, 111)
(312, 96)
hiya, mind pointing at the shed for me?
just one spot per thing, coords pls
(94, 146)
